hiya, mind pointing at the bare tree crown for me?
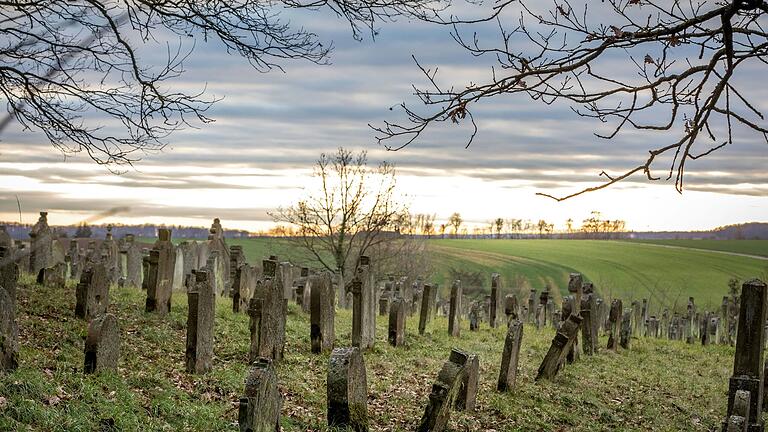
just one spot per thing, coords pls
(74, 70)
(686, 54)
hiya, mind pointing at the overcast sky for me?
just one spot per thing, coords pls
(271, 127)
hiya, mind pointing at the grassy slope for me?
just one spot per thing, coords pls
(749, 247)
(621, 269)
(151, 391)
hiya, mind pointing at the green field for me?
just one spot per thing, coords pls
(628, 270)
(624, 391)
(747, 247)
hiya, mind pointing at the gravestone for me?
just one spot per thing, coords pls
(363, 306)
(560, 347)
(9, 333)
(166, 265)
(9, 273)
(217, 246)
(474, 317)
(748, 373)
(426, 308)
(322, 312)
(625, 334)
(158, 289)
(445, 392)
(588, 329)
(614, 323)
(396, 329)
(72, 259)
(532, 307)
(543, 301)
(454, 314)
(467, 398)
(691, 326)
(102, 345)
(495, 296)
(5, 239)
(347, 390)
(200, 321)
(133, 262)
(259, 408)
(510, 356)
(92, 293)
(267, 312)
(384, 303)
(54, 277)
(510, 307)
(41, 245)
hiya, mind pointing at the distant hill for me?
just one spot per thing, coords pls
(745, 231)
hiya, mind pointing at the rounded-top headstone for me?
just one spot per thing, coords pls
(102, 346)
(347, 390)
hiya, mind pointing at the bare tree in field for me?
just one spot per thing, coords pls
(689, 94)
(455, 221)
(78, 70)
(354, 210)
(498, 225)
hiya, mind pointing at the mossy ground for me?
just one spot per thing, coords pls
(657, 385)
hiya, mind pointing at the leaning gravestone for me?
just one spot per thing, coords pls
(200, 320)
(396, 328)
(158, 290)
(322, 312)
(510, 356)
(347, 390)
(467, 398)
(102, 345)
(9, 333)
(259, 408)
(454, 314)
(92, 293)
(561, 345)
(444, 393)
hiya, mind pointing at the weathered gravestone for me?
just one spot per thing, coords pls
(347, 390)
(625, 334)
(396, 328)
(445, 392)
(454, 314)
(54, 277)
(363, 306)
(510, 356)
(474, 316)
(267, 312)
(200, 321)
(5, 239)
(510, 308)
(748, 360)
(614, 322)
(495, 296)
(467, 398)
(561, 346)
(92, 293)
(425, 314)
(133, 261)
(102, 345)
(588, 329)
(259, 409)
(322, 312)
(691, 327)
(73, 260)
(532, 307)
(158, 290)
(9, 333)
(737, 422)
(9, 273)
(217, 247)
(41, 247)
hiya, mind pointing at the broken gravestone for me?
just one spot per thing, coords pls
(259, 409)
(467, 398)
(102, 345)
(444, 393)
(92, 293)
(347, 390)
(200, 321)
(396, 329)
(561, 345)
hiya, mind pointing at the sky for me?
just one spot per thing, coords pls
(270, 128)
